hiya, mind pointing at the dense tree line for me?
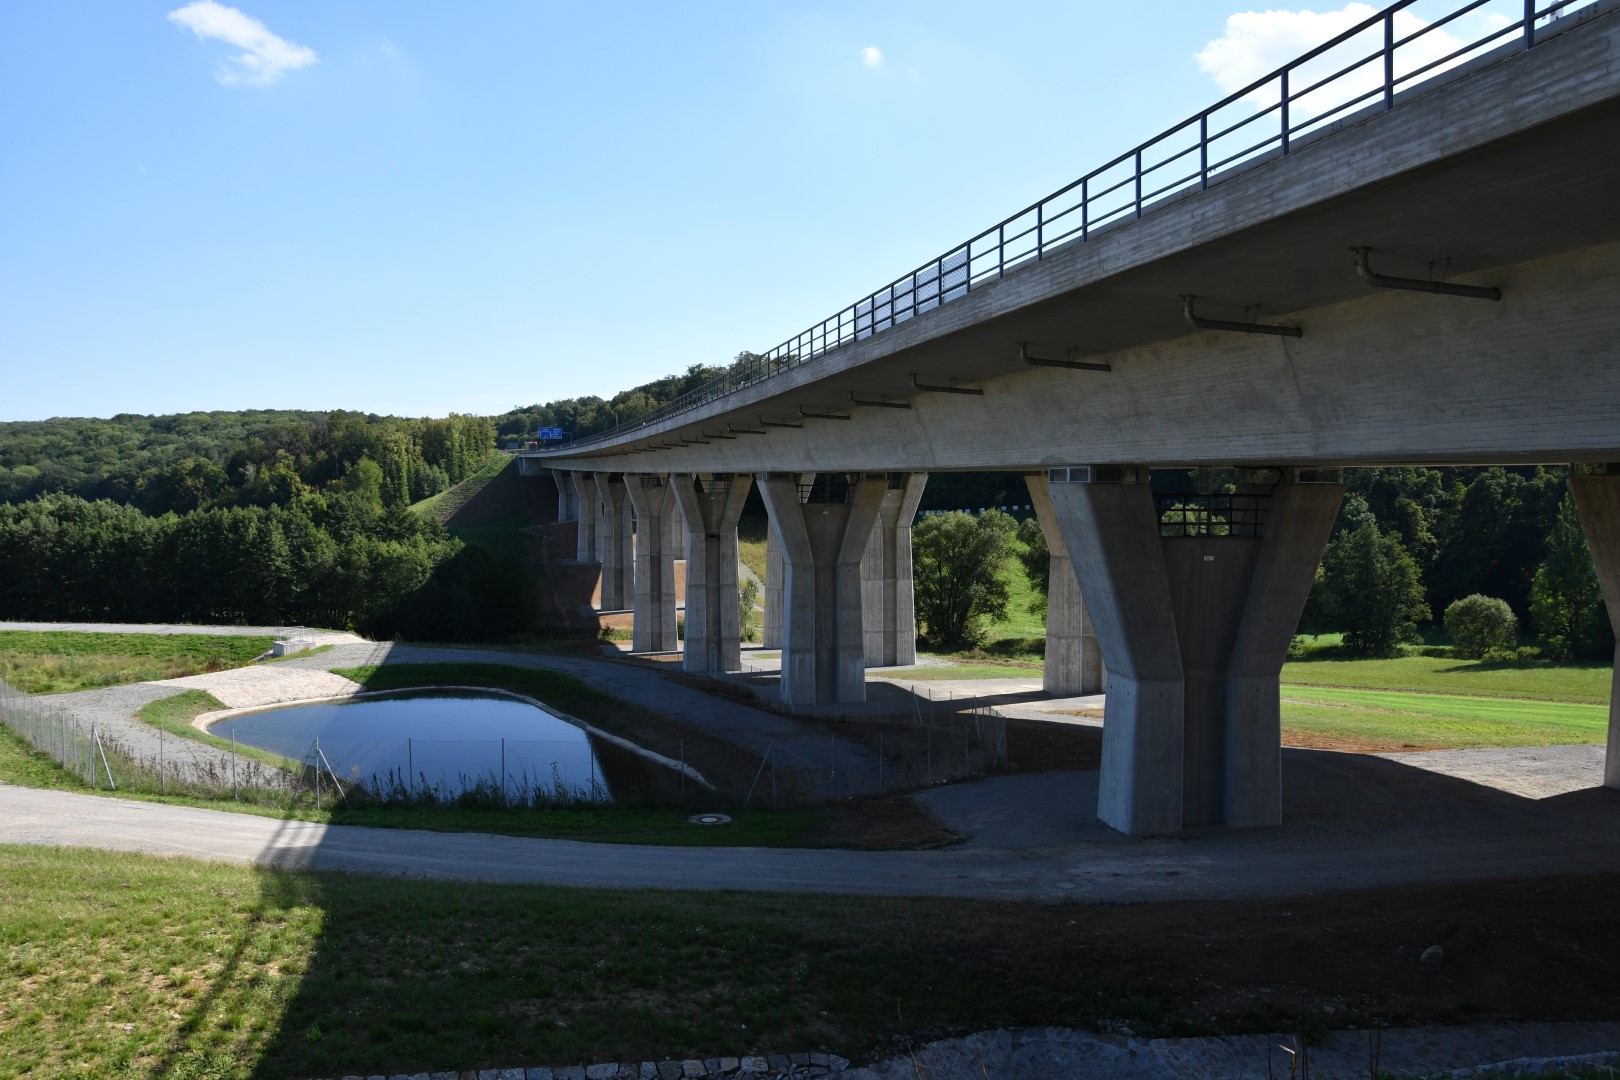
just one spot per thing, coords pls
(194, 461)
(334, 560)
(1410, 545)
(249, 518)
(592, 415)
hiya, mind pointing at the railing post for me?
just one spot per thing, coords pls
(1389, 60)
(1203, 152)
(1040, 230)
(1284, 110)
(1001, 250)
(1085, 209)
(1529, 24)
(1139, 182)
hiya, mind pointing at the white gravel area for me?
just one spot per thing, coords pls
(1533, 772)
(266, 684)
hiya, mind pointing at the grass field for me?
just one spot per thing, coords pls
(1402, 720)
(62, 661)
(123, 965)
(133, 966)
(1587, 684)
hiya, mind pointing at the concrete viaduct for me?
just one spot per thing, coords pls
(1314, 338)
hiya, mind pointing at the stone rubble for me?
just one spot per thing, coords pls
(741, 1067)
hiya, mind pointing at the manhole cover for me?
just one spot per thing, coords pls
(709, 819)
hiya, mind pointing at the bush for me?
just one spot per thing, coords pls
(1479, 624)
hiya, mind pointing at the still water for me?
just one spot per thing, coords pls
(449, 741)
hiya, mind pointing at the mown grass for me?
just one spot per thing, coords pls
(124, 965)
(175, 714)
(1577, 683)
(63, 661)
(1395, 720)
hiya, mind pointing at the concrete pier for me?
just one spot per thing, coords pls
(710, 506)
(1598, 500)
(588, 509)
(1194, 630)
(1073, 662)
(888, 599)
(822, 539)
(654, 626)
(614, 539)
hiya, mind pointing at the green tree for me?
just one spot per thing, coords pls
(1566, 602)
(1370, 590)
(956, 561)
(1477, 624)
(1037, 561)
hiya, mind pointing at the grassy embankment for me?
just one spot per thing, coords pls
(62, 661)
(133, 966)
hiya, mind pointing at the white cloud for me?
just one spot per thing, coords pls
(264, 57)
(1256, 43)
(872, 56)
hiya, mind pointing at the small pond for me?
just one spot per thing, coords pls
(452, 741)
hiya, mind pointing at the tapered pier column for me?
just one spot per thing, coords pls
(1193, 615)
(888, 600)
(654, 627)
(711, 506)
(565, 495)
(587, 508)
(1073, 662)
(823, 530)
(1598, 500)
(614, 539)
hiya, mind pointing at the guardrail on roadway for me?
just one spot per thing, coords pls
(1366, 66)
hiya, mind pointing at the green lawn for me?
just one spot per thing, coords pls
(61, 661)
(1393, 720)
(1578, 683)
(118, 965)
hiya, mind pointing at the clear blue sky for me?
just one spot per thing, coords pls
(418, 208)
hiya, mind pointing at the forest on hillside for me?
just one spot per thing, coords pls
(245, 517)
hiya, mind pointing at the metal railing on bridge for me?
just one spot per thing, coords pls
(1368, 66)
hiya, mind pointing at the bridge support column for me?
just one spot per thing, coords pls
(654, 603)
(888, 603)
(775, 571)
(1073, 661)
(615, 541)
(711, 506)
(822, 530)
(565, 494)
(1194, 630)
(587, 509)
(1598, 500)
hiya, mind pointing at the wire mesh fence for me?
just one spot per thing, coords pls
(103, 760)
(54, 731)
